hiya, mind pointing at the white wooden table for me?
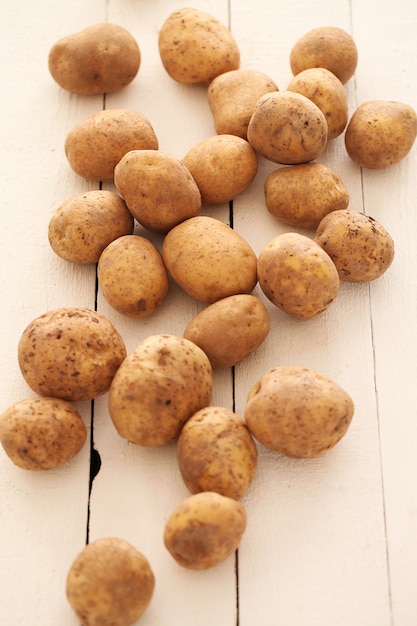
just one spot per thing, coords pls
(332, 541)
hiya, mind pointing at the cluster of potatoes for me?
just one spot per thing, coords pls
(161, 392)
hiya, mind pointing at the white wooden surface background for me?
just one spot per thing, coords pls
(331, 541)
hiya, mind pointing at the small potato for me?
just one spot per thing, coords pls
(195, 47)
(110, 583)
(223, 166)
(70, 353)
(301, 195)
(298, 412)
(217, 453)
(381, 133)
(82, 226)
(102, 58)
(230, 329)
(209, 260)
(158, 189)
(361, 249)
(287, 128)
(95, 145)
(42, 433)
(297, 275)
(204, 530)
(158, 387)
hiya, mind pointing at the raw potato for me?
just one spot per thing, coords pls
(102, 58)
(204, 530)
(287, 128)
(82, 226)
(298, 412)
(297, 275)
(195, 47)
(42, 433)
(209, 260)
(216, 452)
(158, 189)
(95, 145)
(70, 353)
(361, 249)
(381, 133)
(110, 583)
(158, 387)
(216, 328)
(301, 195)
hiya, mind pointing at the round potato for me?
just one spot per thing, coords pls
(95, 145)
(297, 275)
(42, 433)
(298, 412)
(204, 530)
(301, 195)
(158, 387)
(70, 353)
(195, 47)
(110, 583)
(209, 260)
(360, 247)
(102, 58)
(217, 453)
(287, 128)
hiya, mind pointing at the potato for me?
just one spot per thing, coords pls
(109, 583)
(297, 275)
(298, 412)
(158, 387)
(232, 98)
(287, 128)
(82, 226)
(209, 260)
(216, 328)
(70, 353)
(326, 46)
(381, 133)
(195, 47)
(95, 145)
(42, 433)
(158, 189)
(360, 247)
(301, 195)
(223, 166)
(217, 453)
(102, 58)
(204, 530)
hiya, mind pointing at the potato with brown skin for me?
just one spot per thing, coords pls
(109, 583)
(298, 412)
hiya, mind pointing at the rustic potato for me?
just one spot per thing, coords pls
(301, 195)
(217, 453)
(110, 583)
(287, 128)
(195, 47)
(297, 275)
(381, 133)
(326, 46)
(102, 58)
(204, 530)
(298, 412)
(158, 387)
(70, 353)
(42, 433)
(209, 260)
(95, 145)
(216, 329)
(158, 189)
(360, 247)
